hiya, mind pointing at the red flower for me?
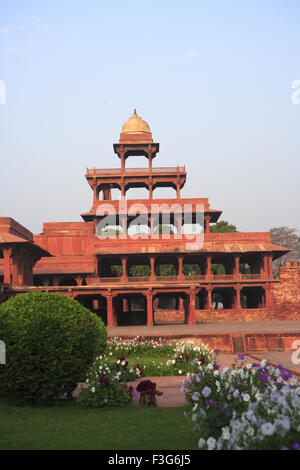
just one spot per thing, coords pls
(104, 382)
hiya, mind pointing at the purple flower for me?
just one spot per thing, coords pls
(105, 400)
(241, 356)
(296, 446)
(216, 351)
(264, 377)
(284, 448)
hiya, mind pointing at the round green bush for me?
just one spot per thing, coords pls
(50, 341)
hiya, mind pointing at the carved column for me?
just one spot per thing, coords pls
(270, 266)
(7, 252)
(124, 269)
(208, 267)
(111, 321)
(192, 303)
(238, 296)
(180, 266)
(206, 223)
(209, 298)
(149, 308)
(152, 266)
(266, 266)
(237, 266)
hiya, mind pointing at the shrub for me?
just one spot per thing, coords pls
(50, 341)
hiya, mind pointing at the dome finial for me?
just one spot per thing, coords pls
(134, 111)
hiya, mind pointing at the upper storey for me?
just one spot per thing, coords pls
(135, 140)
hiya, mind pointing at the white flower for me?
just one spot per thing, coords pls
(195, 396)
(258, 396)
(226, 433)
(180, 371)
(246, 397)
(210, 366)
(206, 391)
(201, 442)
(211, 443)
(250, 431)
(87, 381)
(263, 363)
(235, 393)
(267, 429)
(93, 389)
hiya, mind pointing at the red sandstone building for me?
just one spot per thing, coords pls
(75, 258)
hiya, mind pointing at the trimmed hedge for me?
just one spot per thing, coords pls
(50, 341)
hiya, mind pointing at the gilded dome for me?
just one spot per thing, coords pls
(135, 125)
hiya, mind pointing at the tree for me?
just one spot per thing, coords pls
(288, 238)
(222, 227)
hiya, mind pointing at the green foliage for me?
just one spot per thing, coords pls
(222, 227)
(139, 270)
(51, 341)
(165, 270)
(163, 230)
(191, 269)
(111, 393)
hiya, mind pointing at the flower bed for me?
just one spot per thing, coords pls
(250, 406)
(128, 360)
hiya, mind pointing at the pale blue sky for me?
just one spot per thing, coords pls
(212, 78)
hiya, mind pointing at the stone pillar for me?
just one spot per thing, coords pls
(192, 302)
(149, 308)
(266, 266)
(124, 269)
(180, 271)
(7, 252)
(111, 321)
(152, 264)
(178, 190)
(206, 223)
(208, 267)
(209, 298)
(238, 297)
(181, 304)
(122, 156)
(150, 157)
(237, 266)
(270, 266)
(96, 304)
(150, 187)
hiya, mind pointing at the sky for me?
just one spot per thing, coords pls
(218, 82)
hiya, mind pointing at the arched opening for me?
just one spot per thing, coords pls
(110, 266)
(164, 192)
(201, 299)
(223, 297)
(68, 281)
(137, 191)
(251, 263)
(253, 297)
(222, 264)
(166, 266)
(96, 303)
(170, 308)
(131, 309)
(138, 267)
(136, 161)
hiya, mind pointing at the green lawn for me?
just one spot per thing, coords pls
(69, 426)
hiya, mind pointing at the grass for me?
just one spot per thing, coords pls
(68, 426)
